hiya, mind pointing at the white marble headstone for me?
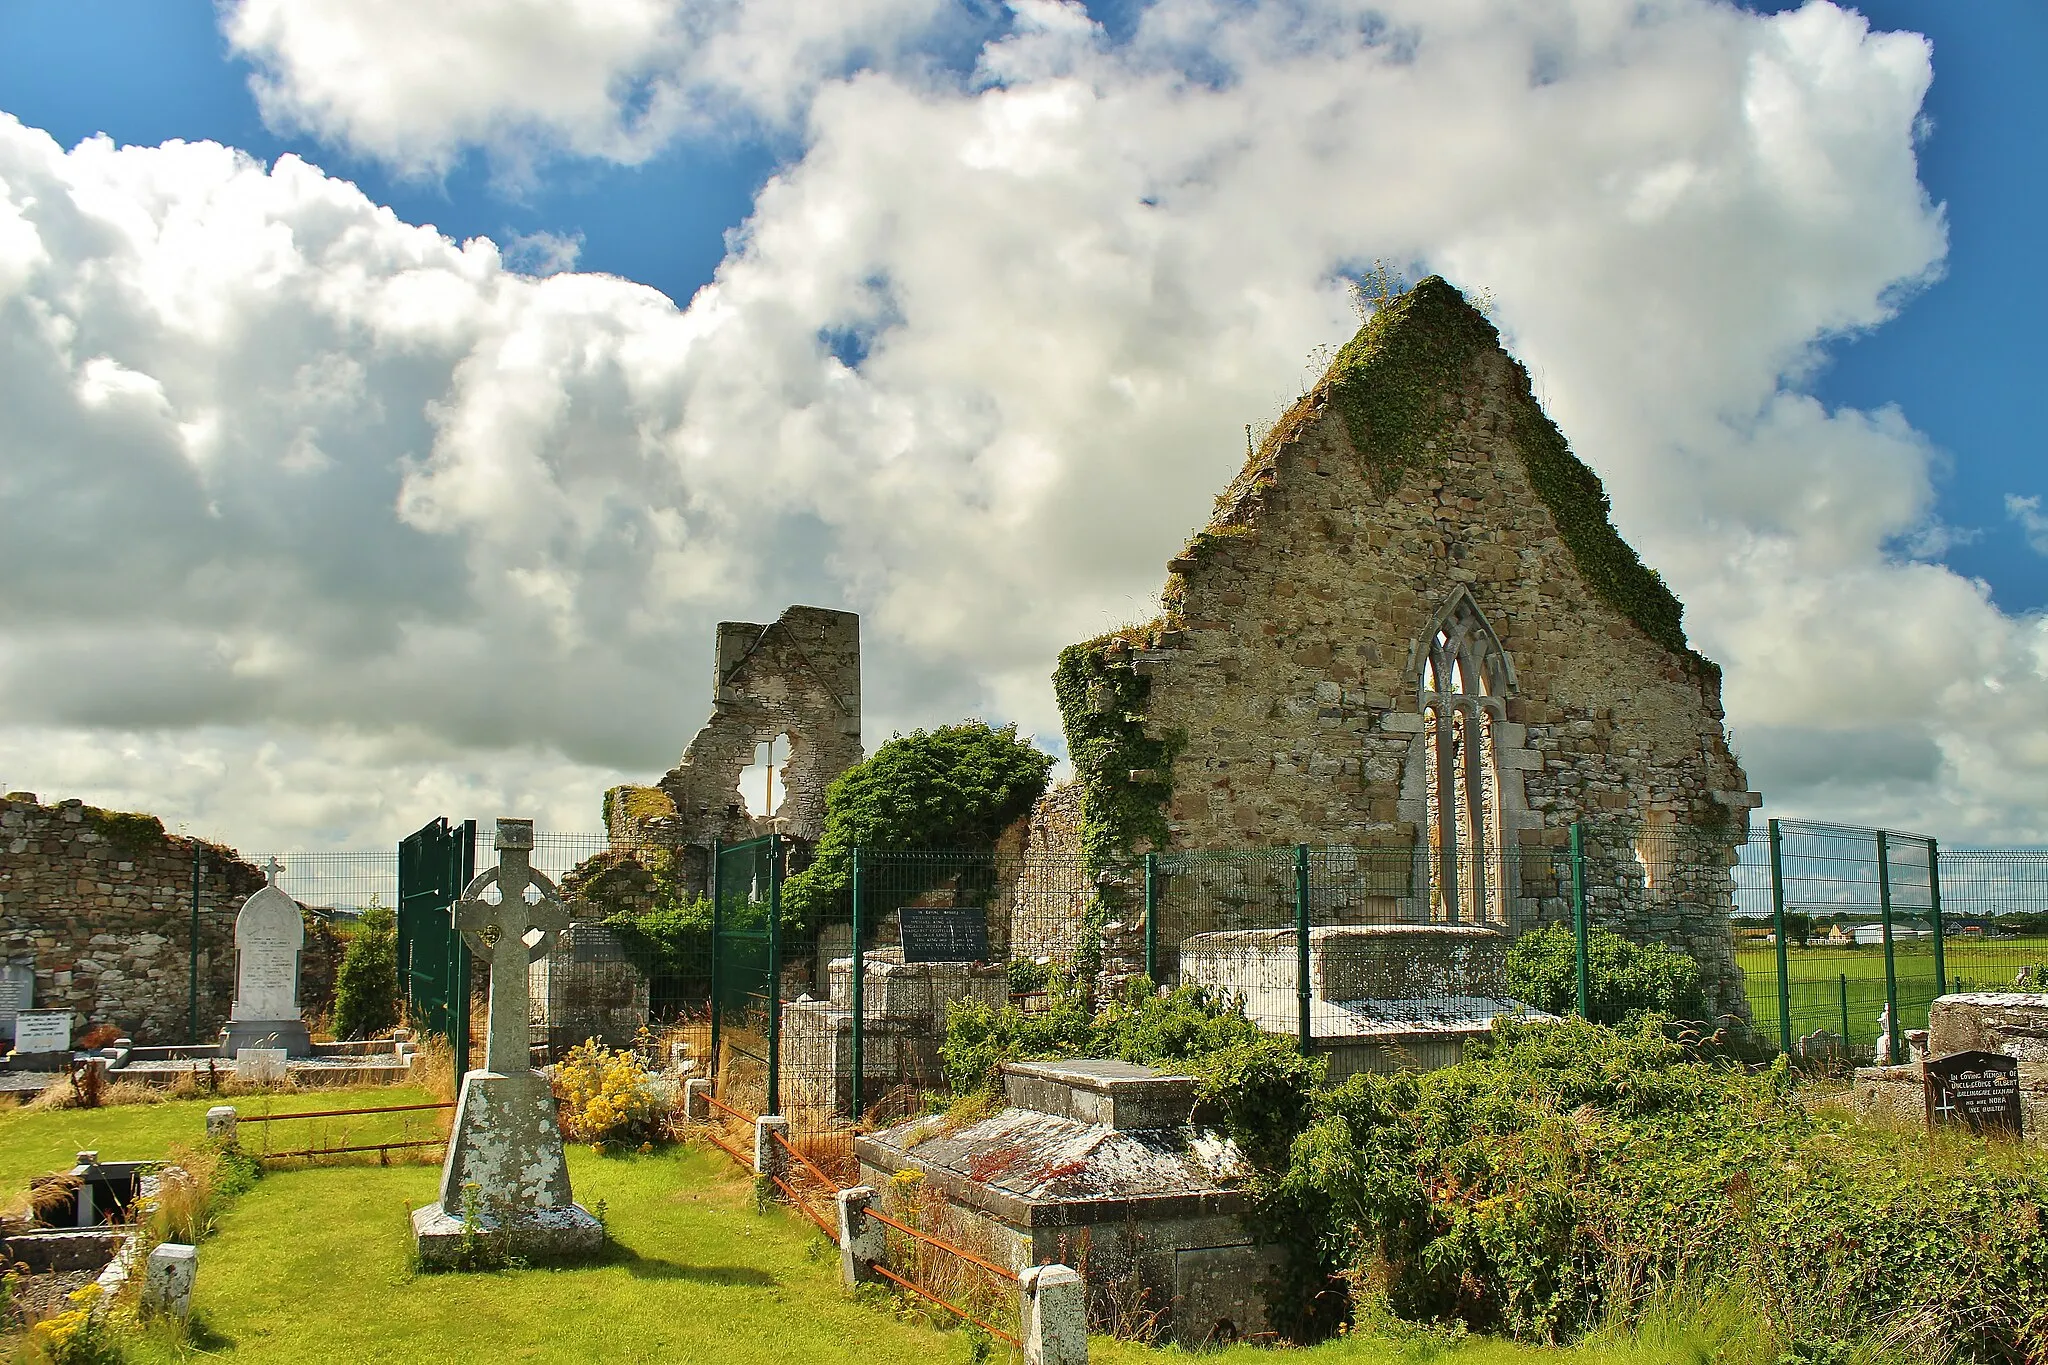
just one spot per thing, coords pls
(260, 1065)
(269, 932)
(17, 989)
(42, 1031)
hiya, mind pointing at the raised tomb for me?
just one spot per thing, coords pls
(1410, 638)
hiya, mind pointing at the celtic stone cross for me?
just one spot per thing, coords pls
(523, 933)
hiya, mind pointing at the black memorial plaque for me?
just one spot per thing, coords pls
(1980, 1090)
(944, 934)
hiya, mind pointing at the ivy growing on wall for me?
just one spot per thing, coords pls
(1395, 386)
(1126, 776)
(1578, 504)
(1395, 383)
(125, 831)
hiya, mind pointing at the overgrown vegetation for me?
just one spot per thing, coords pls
(1578, 504)
(366, 984)
(1395, 383)
(1126, 776)
(127, 832)
(606, 1097)
(956, 788)
(1567, 1178)
(1625, 980)
(1565, 1171)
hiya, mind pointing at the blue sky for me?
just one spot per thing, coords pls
(1962, 361)
(1105, 193)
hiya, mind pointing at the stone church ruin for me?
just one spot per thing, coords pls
(1411, 639)
(1339, 773)
(796, 681)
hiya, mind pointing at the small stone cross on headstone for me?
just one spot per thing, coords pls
(510, 935)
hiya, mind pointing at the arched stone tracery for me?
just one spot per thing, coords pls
(1464, 682)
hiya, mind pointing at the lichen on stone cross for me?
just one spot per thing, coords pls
(523, 933)
(270, 872)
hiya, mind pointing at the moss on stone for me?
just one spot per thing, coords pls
(1396, 386)
(636, 805)
(1102, 699)
(1578, 504)
(125, 831)
(1396, 383)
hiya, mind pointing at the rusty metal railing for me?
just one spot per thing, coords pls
(803, 1204)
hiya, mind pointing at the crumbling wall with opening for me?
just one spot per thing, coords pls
(793, 684)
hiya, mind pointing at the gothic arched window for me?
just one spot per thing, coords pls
(1463, 689)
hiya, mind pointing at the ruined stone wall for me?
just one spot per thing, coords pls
(799, 677)
(1281, 688)
(101, 904)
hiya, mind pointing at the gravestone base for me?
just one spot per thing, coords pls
(39, 1062)
(505, 1170)
(290, 1034)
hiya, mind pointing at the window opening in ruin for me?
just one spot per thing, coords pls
(1464, 681)
(1654, 851)
(761, 782)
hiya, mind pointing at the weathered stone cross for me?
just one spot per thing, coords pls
(524, 933)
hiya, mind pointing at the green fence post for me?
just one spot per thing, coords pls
(855, 990)
(1301, 991)
(1891, 969)
(192, 968)
(775, 973)
(1778, 920)
(1845, 1014)
(458, 960)
(1578, 849)
(717, 902)
(1152, 918)
(1934, 906)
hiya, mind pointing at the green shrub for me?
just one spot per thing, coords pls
(366, 986)
(1565, 1172)
(673, 938)
(954, 788)
(1627, 980)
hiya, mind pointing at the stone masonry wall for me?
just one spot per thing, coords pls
(101, 903)
(1287, 667)
(799, 677)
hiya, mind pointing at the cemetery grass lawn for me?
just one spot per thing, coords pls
(36, 1142)
(314, 1265)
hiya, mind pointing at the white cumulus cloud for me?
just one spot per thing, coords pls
(283, 469)
(412, 84)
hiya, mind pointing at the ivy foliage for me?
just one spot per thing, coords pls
(1395, 385)
(1102, 698)
(1564, 1170)
(1625, 980)
(1578, 504)
(126, 831)
(956, 788)
(1396, 382)
(366, 984)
